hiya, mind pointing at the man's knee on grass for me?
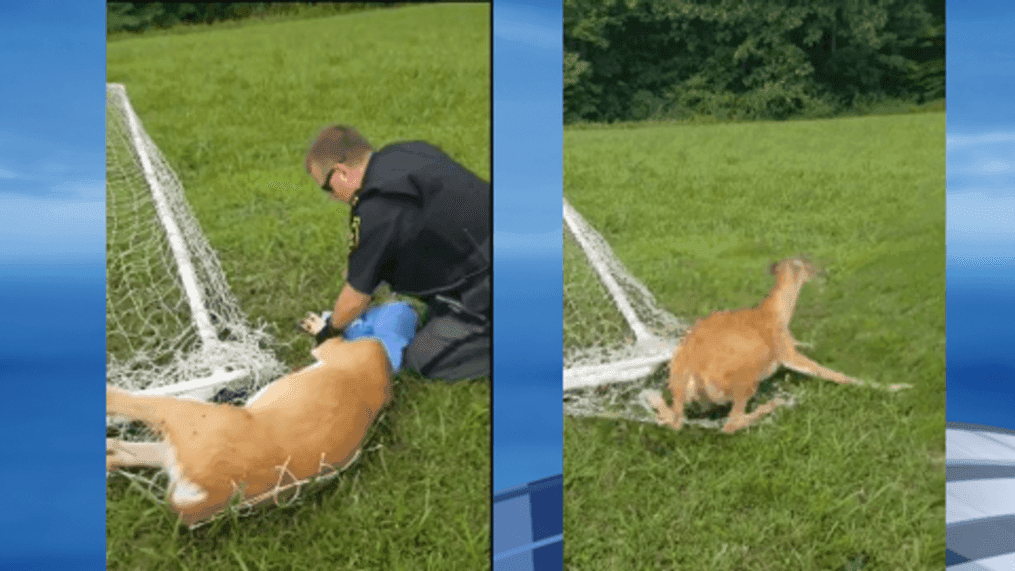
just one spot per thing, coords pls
(450, 349)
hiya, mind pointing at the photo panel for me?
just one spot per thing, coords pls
(754, 286)
(223, 253)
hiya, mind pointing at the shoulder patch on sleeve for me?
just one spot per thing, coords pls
(354, 225)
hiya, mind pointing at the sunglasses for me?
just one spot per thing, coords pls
(326, 187)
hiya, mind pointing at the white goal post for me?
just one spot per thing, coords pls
(614, 331)
(173, 324)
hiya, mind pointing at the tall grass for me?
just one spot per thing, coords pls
(233, 110)
(850, 476)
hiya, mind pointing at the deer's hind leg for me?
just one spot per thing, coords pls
(796, 361)
(742, 393)
(121, 454)
(744, 420)
(673, 416)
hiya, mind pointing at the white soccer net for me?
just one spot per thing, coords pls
(616, 338)
(172, 323)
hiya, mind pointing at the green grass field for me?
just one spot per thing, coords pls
(849, 478)
(233, 109)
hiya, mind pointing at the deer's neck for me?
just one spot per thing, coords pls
(781, 301)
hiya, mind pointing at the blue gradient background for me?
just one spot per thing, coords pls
(981, 213)
(527, 224)
(52, 284)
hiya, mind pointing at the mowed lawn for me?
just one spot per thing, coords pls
(850, 477)
(233, 109)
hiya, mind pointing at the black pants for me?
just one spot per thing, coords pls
(456, 342)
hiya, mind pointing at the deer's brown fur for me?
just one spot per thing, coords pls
(301, 425)
(725, 356)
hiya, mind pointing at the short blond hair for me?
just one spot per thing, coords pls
(338, 144)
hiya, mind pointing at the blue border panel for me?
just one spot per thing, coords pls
(528, 526)
(52, 284)
(981, 245)
(527, 235)
(980, 448)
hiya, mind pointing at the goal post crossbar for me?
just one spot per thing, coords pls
(616, 372)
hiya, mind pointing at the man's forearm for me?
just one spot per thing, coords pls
(349, 306)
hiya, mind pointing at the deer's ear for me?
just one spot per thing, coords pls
(772, 269)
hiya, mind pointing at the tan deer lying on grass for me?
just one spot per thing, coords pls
(725, 356)
(309, 423)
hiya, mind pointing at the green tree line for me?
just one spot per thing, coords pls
(141, 16)
(631, 60)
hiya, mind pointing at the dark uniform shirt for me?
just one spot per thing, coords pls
(421, 223)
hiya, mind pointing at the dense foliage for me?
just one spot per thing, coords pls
(747, 59)
(142, 16)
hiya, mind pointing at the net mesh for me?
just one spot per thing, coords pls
(616, 337)
(170, 315)
(172, 323)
